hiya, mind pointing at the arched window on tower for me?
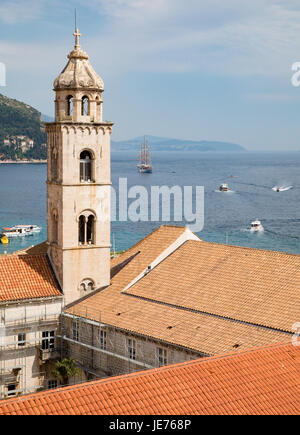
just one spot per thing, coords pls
(98, 102)
(87, 285)
(70, 105)
(54, 164)
(81, 230)
(86, 228)
(85, 106)
(90, 229)
(85, 166)
(54, 226)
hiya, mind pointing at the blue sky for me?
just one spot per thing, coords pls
(193, 69)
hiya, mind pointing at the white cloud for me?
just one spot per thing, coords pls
(20, 11)
(233, 37)
(244, 38)
(32, 57)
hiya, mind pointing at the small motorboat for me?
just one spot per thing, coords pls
(224, 187)
(32, 228)
(256, 226)
(281, 188)
(16, 232)
(20, 230)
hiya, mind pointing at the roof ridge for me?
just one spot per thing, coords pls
(155, 231)
(148, 236)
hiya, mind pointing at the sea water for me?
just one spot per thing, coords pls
(250, 177)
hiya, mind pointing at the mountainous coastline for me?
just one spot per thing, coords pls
(22, 133)
(168, 144)
(23, 136)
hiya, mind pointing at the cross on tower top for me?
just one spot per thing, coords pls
(77, 36)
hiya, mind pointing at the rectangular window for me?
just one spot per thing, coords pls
(131, 348)
(11, 390)
(162, 357)
(48, 340)
(75, 330)
(52, 384)
(102, 339)
(21, 339)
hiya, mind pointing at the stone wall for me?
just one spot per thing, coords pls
(22, 361)
(112, 357)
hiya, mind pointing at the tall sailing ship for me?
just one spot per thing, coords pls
(145, 164)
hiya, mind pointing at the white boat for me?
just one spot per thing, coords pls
(224, 187)
(20, 230)
(32, 228)
(281, 188)
(256, 226)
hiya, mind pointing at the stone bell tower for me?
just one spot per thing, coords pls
(78, 180)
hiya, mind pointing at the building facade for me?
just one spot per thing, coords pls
(102, 350)
(30, 308)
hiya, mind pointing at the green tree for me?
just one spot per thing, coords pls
(65, 369)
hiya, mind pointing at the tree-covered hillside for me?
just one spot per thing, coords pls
(16, 120)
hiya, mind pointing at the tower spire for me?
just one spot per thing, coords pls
(76, 34)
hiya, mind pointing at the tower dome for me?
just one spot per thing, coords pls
(78, 73)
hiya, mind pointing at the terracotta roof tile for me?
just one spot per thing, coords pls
(261, 287)
(258, 381)
(26, 277)
(39, 249)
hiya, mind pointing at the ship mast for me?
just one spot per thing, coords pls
(145, 164)
(145, 158)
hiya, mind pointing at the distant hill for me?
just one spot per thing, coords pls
(19, 120)
(168, 144)
(23, 136)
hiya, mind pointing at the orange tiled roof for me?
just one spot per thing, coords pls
(177, 282)
(259, 381)
(26, 277)
(261, 287)
(41, 248)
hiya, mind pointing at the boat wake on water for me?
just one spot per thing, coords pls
(252, 184)
(223, 191)
(282, 235)
(279, 188)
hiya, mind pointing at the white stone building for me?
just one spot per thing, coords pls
(30, 306)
